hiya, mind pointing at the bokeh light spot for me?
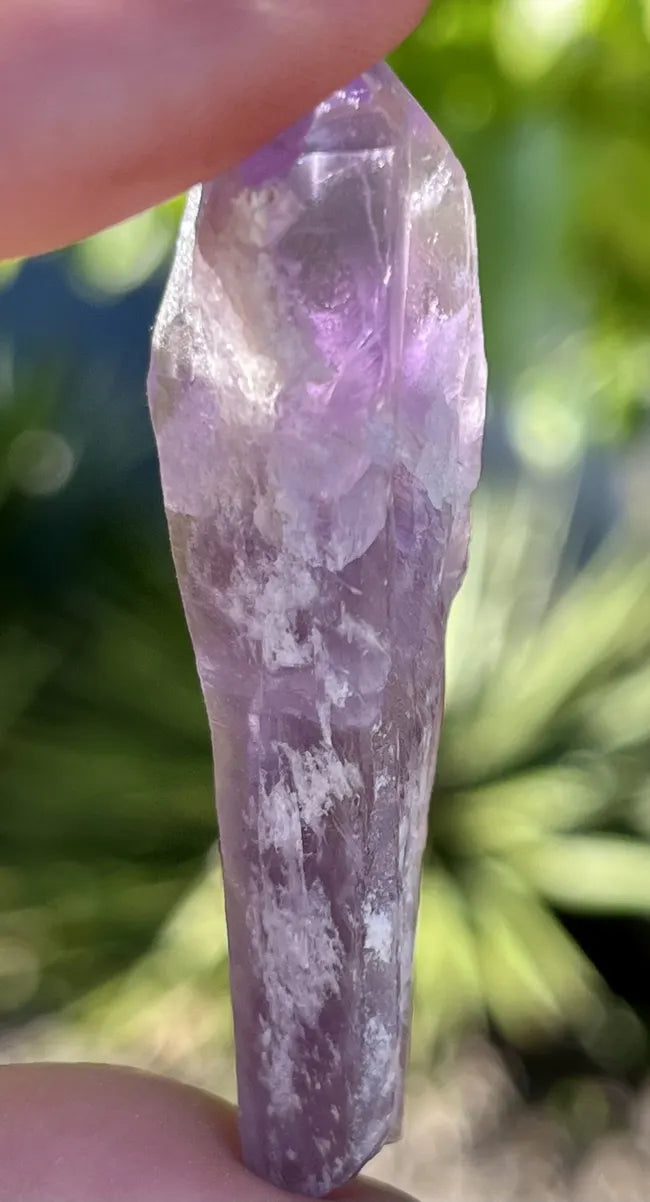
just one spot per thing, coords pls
(469, 101)
(547, 432)
(40, 462)
(532, 34)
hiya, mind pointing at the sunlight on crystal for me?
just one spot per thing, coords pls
(428, 197)
(40, 462)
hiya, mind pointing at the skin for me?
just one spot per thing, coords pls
(108, 107)
(90, 1133)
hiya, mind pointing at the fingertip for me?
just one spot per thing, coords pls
(370, 1191)
(96, 1133)
(113, 108)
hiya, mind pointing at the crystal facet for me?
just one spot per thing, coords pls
(317, 390)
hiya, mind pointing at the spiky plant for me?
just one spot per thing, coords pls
(540, 809)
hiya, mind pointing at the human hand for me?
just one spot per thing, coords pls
(90, 1133)
(109, 106)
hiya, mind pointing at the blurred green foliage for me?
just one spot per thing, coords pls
(539, 807)
(548, 104)
(542, 806)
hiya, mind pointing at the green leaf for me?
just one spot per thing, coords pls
(25, 664)
(535, 978)
(616, 715)
(520, 809)
(598, 625)
(120, 259)
(174, 1003)
(9, 270)
(595, 873)
(447, 984)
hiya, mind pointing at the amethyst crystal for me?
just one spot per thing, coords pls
(317, 391)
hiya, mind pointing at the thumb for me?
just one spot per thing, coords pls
(110, 106)
(91, 1133)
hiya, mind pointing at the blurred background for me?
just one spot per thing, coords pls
(531, 1062)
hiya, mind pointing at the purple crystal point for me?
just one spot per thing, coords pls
(317, 390)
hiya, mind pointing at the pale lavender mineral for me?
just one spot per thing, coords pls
(317, 390)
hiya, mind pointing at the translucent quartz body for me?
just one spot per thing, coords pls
(317, 390)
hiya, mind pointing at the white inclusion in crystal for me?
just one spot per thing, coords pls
(369, 653)
(277, 1050)
(263, 216)
(379, 1059)
(310, 783)
(430, 195)
(411, 844)
(334, 680)
(278, 819)
(267, 611)
(309, 786)
(254, 377)
(360, 632)
(337, 688)
(320, 778)
(295, 940)
(379, 933)
(299, 953)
